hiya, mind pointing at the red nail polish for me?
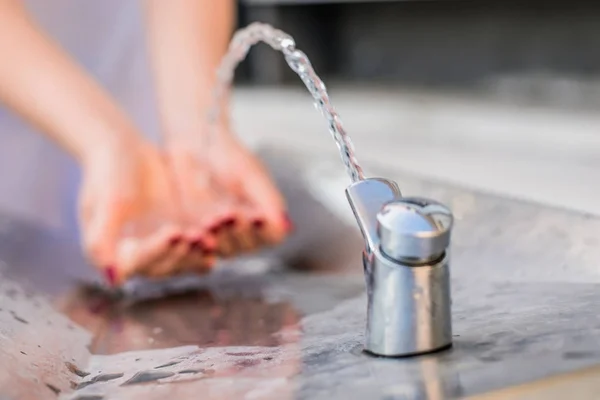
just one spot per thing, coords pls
(215, 229)
(258, 223)
(289, 225)
(111, 275)
(99, 307)
(175, 240)
(230, 222)
(207, 252)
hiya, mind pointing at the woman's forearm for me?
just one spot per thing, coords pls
(187, 39)
(40, 82)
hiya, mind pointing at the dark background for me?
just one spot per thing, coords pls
(429, 43)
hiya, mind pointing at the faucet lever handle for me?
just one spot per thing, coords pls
(366, 198)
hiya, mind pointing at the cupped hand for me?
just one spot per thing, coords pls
(228, 199)
(130, 216)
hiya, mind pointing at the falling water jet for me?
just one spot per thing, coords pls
(257, 32)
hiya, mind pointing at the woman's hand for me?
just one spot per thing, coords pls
(226, 194)
(130, 216)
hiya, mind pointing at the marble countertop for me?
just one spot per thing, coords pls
(288, 324)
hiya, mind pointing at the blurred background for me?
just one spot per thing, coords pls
(498, 95)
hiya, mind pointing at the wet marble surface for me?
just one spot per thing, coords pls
(289, 323)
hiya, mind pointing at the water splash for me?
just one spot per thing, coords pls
(256, 32)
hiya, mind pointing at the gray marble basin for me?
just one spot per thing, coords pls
(288, 324)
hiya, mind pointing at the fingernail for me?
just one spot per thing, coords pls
(215, 229)
(229, 222)
(111, 275)
(208, 252)
(98, 307)
(195, 244)
(175, 240)
(289, 225)
(258, 223)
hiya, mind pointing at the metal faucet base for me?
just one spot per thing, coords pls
(408, 310)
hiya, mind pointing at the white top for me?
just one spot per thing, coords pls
(38, 181)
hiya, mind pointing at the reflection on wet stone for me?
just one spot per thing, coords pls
(167, 364)
(147, 376)
(578, 355)
(107, 377)
(193, 318)
(490, 358)
(191, 371)
(247, 363)
(241, 354)
(89, 397)
(75, 370)
(100, 378)
(21, 320)
(53, 388)
(358, 350)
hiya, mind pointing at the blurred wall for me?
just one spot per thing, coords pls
(433, 43)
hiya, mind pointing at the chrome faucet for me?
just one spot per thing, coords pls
(406, 262)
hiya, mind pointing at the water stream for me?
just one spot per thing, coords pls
(257, 32)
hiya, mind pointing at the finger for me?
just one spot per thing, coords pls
(257, 233)
(209, 261)
(198, 262)
(262, 194)
(102, 232)
(197, 197)
(244, 233)
(222, 233)
(217, 215)
(171, 264)
(137, 256)
(198, 250)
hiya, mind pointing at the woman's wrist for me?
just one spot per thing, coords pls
(193, 125)
(99, 144)
(187, 40)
